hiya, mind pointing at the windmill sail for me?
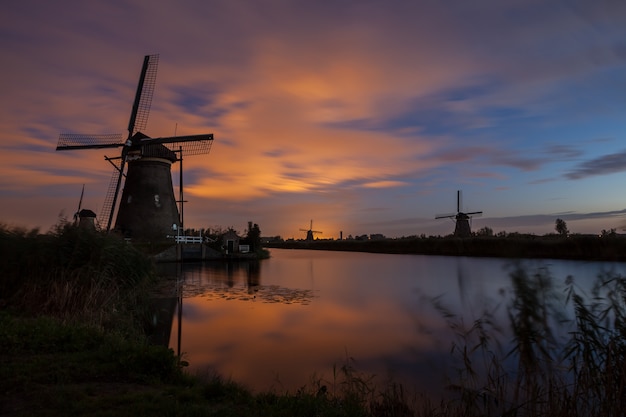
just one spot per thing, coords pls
(191, 145)
(143, 97)
(108, 207)
(71, 141)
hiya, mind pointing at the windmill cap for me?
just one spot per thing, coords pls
(154, 150)
(86, 213)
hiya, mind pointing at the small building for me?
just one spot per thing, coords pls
(230, 241)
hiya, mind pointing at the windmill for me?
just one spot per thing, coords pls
(462, 228)
(147, 207)
(80, 203)
(309, 232)
(85, 219)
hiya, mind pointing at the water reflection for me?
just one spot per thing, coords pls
(238, 281)
(301, 314)
(166, 304)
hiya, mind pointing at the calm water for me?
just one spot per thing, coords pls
(291, 318)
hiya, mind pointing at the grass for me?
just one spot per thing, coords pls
(52, 368)
(71, 317)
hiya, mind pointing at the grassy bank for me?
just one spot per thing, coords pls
(48, 368)
(581, 247)
(73, 305)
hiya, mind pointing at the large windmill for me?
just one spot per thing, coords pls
(147, 207)
(309, 232)
(462, 228)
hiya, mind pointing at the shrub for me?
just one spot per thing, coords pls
(72, 274)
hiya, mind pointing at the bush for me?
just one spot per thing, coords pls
(72, 274)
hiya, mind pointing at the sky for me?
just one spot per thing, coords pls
(362, 116)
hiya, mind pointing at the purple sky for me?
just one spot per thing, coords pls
(365, 116)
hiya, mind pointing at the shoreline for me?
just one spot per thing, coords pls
(575, 247)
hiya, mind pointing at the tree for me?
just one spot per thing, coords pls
(254, 236)
(608, 233)
(485, 231)
(561, 227)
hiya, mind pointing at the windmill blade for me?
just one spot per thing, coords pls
(80, 202)
(69, 141)
(143, 96)
(443, 216)
(108, 208)
(191, 145)
(459, 201)
(475, 213)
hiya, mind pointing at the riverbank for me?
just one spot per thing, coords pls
(49, 368)
(575, 247)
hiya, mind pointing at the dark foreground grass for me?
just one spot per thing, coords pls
(51, 368)
(48, 368)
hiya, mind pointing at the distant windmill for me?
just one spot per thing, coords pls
(310, 231)
(80, 203)
(147, 208)
(84, 218)
(462, 228)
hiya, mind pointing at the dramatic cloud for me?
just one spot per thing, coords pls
(603, 165)
(347, 112)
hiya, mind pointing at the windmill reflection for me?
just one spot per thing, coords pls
(166, 300)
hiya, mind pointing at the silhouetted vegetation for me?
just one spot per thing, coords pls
(73, 274)
(555, 365)
(561, 227)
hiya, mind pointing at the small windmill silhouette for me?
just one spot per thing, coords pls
(80, 204)
(462, 228)
(84, 218)
(309, 232)
(148, 206)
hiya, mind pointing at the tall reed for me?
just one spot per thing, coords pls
(557, 364)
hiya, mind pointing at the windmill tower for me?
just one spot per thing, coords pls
(147, 206)
(309, 232)
(462, 228)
